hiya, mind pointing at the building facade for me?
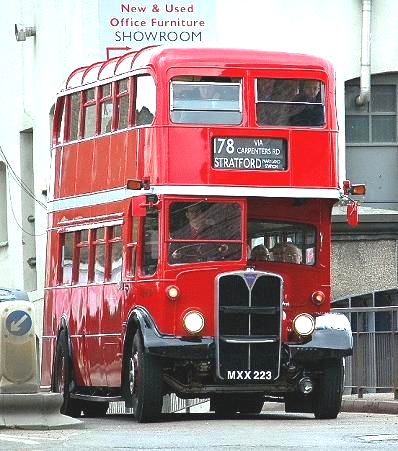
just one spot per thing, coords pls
(359, 36)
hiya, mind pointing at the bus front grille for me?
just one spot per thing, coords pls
(248, 340)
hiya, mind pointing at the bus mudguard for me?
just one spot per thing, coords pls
(168, 346)
(332, 338)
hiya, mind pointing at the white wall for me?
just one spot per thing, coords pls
(68, 36)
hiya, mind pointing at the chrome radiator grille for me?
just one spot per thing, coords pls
(248, 326)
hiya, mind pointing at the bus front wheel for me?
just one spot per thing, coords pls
(145, 381)
(62, 377)
(329, 390)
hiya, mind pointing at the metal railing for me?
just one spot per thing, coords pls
(373, 367)
(171, 404)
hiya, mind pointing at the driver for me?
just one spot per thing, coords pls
(198, 226)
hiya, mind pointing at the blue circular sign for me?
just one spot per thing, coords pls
(18, 322)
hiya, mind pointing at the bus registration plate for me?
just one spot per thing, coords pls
(249, 153)
(251, 375)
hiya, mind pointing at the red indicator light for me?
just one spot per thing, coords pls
(318, 297)
(172, 292)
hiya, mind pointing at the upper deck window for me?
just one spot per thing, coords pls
(74, 125)
(122, 103)
(290, 102)
(89, 109)
(106, 108)
(206, 100)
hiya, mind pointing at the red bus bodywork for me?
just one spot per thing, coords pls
(91, 316)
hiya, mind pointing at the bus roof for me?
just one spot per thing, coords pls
(167, 56)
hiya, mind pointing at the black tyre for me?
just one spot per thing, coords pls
(329, 390)
(145, 380)
(298, 402)
(95, 409)
(224, 406)
(250, 404)
(62, 378)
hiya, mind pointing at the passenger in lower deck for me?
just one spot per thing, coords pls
(259, 253)
(287, 253)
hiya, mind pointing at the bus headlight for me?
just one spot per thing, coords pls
(304, 324)
(193, 322)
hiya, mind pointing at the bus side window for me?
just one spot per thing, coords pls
(89, 108)
(74, 115)
(83, 256)
(99, 252)
(150, 246)
(67, 258)
(132, 247)
(106, 108)
(122, 102)
(145, 102)
(116, 252)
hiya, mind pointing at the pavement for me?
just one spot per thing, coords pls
(371, 403)
(34, 411)
(41, 410)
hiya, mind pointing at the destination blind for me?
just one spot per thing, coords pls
(250, 153)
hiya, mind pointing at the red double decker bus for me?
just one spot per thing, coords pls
(190, 231)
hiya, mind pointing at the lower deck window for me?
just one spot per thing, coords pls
(151, 242)
(91, 256)
(282, 242)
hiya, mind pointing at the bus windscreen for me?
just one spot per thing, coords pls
(204, 231)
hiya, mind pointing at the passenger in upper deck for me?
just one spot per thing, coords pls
(277, 107)
(265, 88)
(212, 91)
(208, 90)
(312, 112)
(206, 100)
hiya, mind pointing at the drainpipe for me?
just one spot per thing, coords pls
(364, 95)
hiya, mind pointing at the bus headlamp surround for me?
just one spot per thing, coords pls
(303, 324)
(193, 322)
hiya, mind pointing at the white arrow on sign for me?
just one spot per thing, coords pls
(16, 325)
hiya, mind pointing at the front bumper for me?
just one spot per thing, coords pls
(331, 338)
